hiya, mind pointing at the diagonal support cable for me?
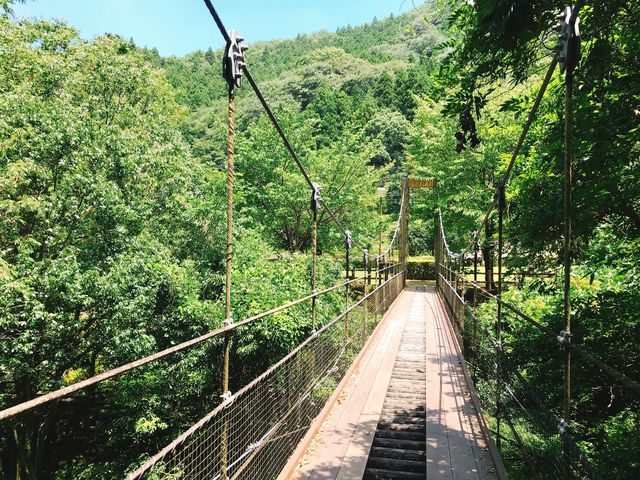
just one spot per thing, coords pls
(276, 123)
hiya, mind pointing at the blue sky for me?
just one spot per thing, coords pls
(177, 27)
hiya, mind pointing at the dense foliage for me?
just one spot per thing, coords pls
(112, 210)
(112, 214)
(496, 54)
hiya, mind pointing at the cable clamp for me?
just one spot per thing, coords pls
(564, 338)
(254, 446)
(316, 198)
(233, 61)
(348, 239)
(226, 396)
(568, 47)
(564, 428)
(314, 333)
(228, 322)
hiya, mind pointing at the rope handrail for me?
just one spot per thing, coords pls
(115, 372)
(180, 440)
(594, 361)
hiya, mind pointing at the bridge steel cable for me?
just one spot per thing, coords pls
(570, 59)
(186, 447)
(276, 123)
(613, 374)
(123, 369)
(399, 241)
(82, 385)
(516, 152)
(448, 280)
(527, 126)
(382, 295)
(445, 272)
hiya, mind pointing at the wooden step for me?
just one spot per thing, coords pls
(401, 435)
(400, 444)
(398, 454)
(396, 465)
(379, 474)
(385, 419)
(402, 427)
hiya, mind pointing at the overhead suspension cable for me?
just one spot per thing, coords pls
(276, 123)
(521, 139)
(527, 126)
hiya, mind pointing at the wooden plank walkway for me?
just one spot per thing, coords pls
(406, 412)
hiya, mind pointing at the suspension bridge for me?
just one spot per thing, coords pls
(406, 382)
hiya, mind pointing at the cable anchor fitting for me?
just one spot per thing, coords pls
(233, 61)
(365, 255)
(569, 43)
(226, 396)
(348, 239)
(316, 198)
(564, 428)
(564, 338)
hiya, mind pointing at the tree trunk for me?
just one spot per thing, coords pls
(24, 434)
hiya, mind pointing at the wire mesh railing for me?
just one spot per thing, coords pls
(154, 398)
(265, 420)
(523, 425)
(504, 351)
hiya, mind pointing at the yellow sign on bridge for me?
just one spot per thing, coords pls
(421, 182)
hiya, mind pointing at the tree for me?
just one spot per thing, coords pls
(390, 128)
(96, 187)
(605, 129)
(271, 183)
(384, 90)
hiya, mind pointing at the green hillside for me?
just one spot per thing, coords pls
(352, 57)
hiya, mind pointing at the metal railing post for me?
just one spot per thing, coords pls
(475, 304)
(315, 207)
(367, 268)
(365, 322)
(501, 206)
(386, 267)
(347, 247)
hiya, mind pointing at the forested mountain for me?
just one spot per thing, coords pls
(352, 56)
(112, 211)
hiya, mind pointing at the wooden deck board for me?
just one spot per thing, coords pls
(455, 445)
(348, 429)
(468, 413)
